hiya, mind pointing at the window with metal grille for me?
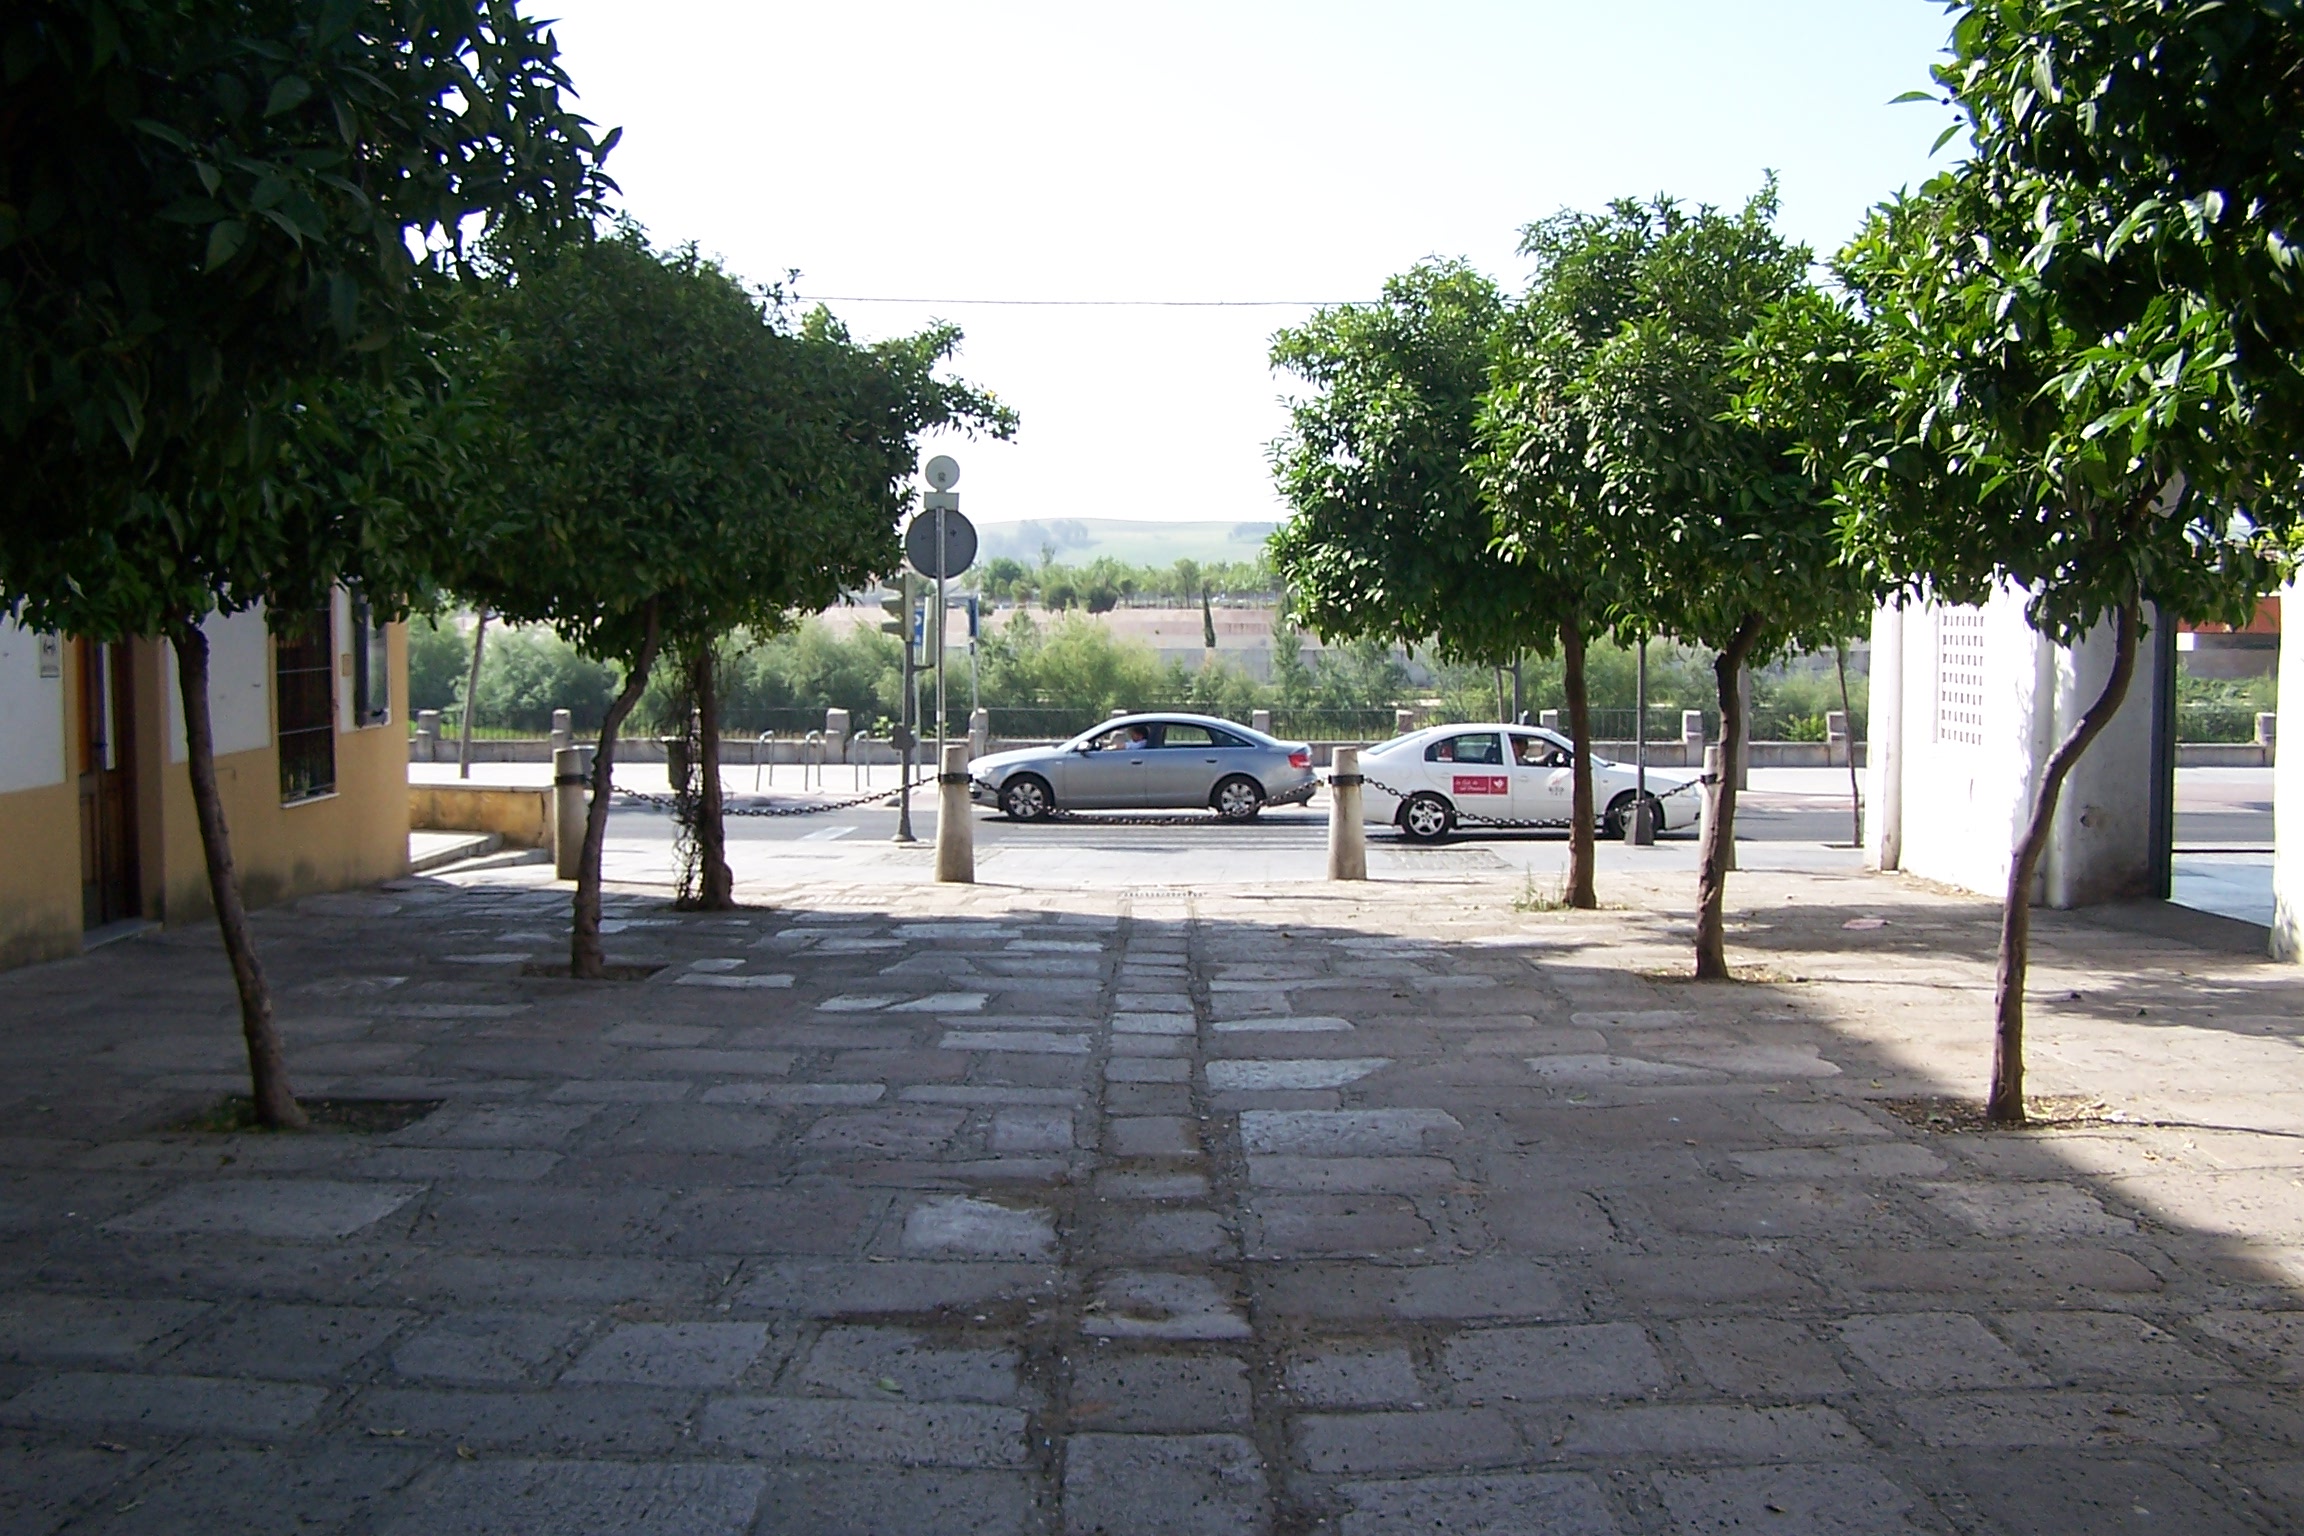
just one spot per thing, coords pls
(303, 663)
(1960, 677)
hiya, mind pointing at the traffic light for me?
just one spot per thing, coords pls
(898, 605)
(927, 635)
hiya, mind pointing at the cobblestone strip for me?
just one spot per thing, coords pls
(1158, 1399)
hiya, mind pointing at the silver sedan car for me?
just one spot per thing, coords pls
(1161, 762)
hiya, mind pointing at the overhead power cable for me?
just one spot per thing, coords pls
(854, 298)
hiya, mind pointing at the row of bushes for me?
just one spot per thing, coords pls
(1035, 672)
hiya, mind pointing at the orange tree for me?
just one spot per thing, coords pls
(214, 387)
(2068, 365)
(1389, 535)
(670, 460)
(1708, 523)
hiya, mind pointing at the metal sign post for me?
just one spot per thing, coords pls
(940, 544)
(1642, 828)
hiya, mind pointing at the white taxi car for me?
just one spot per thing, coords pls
(1429, 781)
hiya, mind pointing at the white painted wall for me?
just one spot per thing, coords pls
(1884, 759)
(32, 721)
(2288, 796)
(1984, 703)
(239, 685)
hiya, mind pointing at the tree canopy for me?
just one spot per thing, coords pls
(675, 458)
(2066, 366)
(211, 220)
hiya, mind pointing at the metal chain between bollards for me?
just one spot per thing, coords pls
(665, 802)
(1474, 818)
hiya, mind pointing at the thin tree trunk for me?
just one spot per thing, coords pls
(2006, 1104)
(584, 957)
(1848, 718)
(1581, 890)
(269, 1091)
(1720, 828)
(718, 884)
(471, 698)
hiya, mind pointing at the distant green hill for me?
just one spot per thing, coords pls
(1078, 540)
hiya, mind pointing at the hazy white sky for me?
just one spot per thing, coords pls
(1251, 150)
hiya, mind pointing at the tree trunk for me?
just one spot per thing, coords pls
(1848, 718)
(471, 698)
(2006, 1104)
(274, 1100)
(717, 884)
(1581, 890)
(1720, 829)
(584, 957)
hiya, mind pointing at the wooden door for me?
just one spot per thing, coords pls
(109, 885)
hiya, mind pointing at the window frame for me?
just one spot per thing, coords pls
(304, 726)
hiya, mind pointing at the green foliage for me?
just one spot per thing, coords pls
(1734, 546)
(672, 443)
(439, 659)
(209, 391)
(1074, 662)
(2069, 362)
(1388, 536)
(2223, 709)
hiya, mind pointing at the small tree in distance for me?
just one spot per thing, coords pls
(1389, 536)
(1718, 534)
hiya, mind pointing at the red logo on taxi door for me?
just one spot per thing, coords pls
(1482, 784)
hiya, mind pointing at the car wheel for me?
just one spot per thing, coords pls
(1026, 798)
(1617, 823)
(1238, 798)
(1426, 817)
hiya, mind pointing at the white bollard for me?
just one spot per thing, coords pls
(955, 819)
(570, 797)
(1347, 838)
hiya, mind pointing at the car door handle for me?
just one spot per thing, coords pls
(1208, 759)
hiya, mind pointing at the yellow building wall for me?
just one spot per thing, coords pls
(40, 856)
(39, 875)
(354, 837)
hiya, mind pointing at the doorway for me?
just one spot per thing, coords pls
(111, 889)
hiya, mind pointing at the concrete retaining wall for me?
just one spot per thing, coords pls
(522, 817)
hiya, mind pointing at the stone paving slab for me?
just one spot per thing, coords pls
(1318, 1210)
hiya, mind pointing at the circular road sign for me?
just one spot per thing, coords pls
(943, 472)
(959, 545)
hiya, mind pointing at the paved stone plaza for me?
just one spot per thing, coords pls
(1363, 1210)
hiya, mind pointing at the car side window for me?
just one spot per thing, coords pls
(1224, 739)
(1536, 752)
(1477, 747)
(1181, 735)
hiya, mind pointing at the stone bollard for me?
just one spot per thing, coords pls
(427, 736)
(1836, 738)
(570, 784)
(1548, 718)
(1691, 737)
(955, 820)
(2268, 732)
(1119, 714)
(979, 732)
(1403, 721)
(563, 729)
(835, 734)
(1347, 838)
(1260, 720)
(1710, 804)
